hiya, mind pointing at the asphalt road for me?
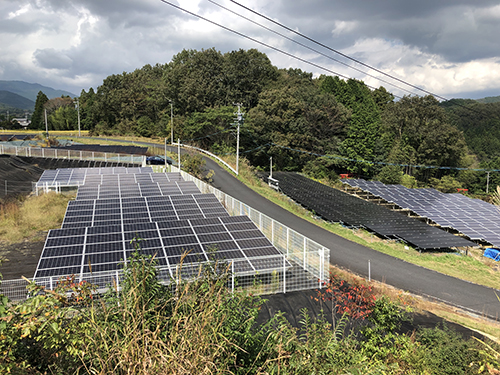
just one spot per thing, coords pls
(354, 257)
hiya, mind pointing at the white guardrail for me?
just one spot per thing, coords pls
(310, 260)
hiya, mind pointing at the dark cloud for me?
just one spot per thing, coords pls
(460, 30)
(80, 43)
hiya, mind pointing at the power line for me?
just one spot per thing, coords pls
(258, 41)
(337, 52)
(310, 48)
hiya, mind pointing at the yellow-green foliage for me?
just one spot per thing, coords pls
(21, 220)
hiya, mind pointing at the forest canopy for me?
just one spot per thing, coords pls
(294, 117)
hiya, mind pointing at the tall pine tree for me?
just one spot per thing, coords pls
(38, 119)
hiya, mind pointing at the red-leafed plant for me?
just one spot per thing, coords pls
(355, 300)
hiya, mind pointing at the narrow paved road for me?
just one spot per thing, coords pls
(349, 255)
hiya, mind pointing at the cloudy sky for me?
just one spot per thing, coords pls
(448, 47)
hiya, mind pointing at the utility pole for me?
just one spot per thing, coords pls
(77, 101)
(46, 124)
(239, 119)
(171, 122)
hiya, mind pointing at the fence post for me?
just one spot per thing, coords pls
(272, 231)
(232, 277)
(369, 271)
(305, 259)
(284, 275)
(117, 284)
(43, 152)
(50, 283)
(321, 265)
(56, 152)
(287, 240)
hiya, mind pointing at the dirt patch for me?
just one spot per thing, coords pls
(20, 259)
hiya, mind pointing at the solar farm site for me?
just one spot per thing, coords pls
(473, 218)
(337, 206)
(118, 211)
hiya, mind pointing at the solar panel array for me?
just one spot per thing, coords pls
(337, 206)
(77, 176)
(99, 212)
(166, 216)
(104, 248)
(475, 218)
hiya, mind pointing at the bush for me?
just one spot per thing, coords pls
(322, 168)
(446, 352)
(390, 174)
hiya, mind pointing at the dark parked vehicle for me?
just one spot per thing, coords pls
(157, 160)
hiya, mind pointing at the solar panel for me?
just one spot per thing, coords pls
(81, 250)
(337, 206)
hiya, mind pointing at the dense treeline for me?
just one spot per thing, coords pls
(292, 117)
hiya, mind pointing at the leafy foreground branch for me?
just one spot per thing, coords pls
(201, 328)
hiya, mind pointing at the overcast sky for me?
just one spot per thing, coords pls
(448, 47)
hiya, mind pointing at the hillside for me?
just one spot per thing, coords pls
(10, 99)
(30, 90)
(489, 99)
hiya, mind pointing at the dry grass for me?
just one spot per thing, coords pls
(30, 218)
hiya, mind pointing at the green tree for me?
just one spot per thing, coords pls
(294, 114)
(417, 131)
(362, 140)
(38, 117)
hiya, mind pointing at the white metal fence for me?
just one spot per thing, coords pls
(309, 260)
(45, 152)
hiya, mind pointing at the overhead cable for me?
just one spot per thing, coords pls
(258, 41)
(337, 52)
(310, 48)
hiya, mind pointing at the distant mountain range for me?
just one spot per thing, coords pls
(9, 99)
(22, 95)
